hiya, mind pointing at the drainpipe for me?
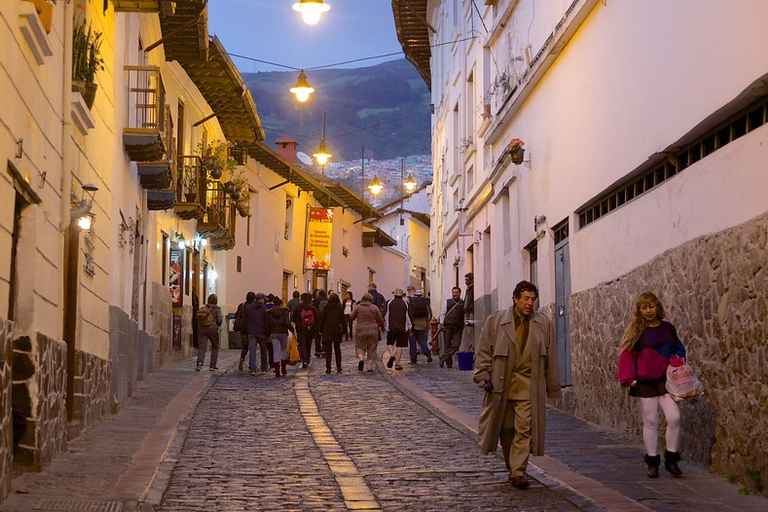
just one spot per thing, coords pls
(66, 132)
(65, 228)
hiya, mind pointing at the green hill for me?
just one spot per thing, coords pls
(386, 106)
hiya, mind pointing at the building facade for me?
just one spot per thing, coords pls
(644, 133)
(136, 177)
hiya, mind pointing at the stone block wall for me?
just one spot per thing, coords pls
(92, 399)
(6, 425)
(133, 354)
(39, 388)
(715, 291)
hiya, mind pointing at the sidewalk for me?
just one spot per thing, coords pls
(126, 461)
(602, 467)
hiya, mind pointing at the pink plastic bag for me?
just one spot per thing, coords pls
(682, 381)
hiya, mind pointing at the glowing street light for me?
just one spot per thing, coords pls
(375, 187)
(302, 89)
(410, 184)
(311, 10)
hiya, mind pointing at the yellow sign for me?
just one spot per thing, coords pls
(319, 236)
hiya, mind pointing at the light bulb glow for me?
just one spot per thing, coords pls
(302, 89)
(375, 187)
(84, 223)
(311, 10)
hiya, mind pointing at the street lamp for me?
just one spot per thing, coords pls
(311, 10)
(302, 89)
(322, 156)
(375, 187)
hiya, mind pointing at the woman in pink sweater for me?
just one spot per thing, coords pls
(646, 348)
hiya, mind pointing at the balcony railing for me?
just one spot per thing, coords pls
(190, 188)
(217, 207)
(226, 241)
(146, 134)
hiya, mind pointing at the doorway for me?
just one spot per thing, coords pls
(562, 295)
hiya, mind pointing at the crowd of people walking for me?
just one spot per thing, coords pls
(515, 384)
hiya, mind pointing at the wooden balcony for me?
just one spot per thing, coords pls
(227, 240)
(136, 5)
(190, 188)
(216, 219)
(146, 134)
(161, 199)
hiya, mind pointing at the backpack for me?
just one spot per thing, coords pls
(418, 306)
(238, 326)
(380, 302)
(307, 317)
(204, 316)
(321, 306)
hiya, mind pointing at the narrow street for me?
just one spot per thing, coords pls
(386, 440)
(333, 442)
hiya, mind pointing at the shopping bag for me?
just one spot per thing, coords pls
(293, 351)
(682, 382)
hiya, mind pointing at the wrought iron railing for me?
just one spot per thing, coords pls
(191, 180)
(145, 99)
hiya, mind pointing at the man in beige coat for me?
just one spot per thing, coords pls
(516, 365)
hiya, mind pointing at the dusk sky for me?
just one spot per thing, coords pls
(271, 30)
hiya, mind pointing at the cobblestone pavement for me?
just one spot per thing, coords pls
(389, 440)
(251, 446)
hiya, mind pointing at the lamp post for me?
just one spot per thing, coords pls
(409, 184)
(322, 156)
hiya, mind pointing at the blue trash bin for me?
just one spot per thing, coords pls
(466, 361)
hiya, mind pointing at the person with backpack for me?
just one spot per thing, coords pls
(420, 312)
(398, 325)
(305, 317)
(331, 326)
(370, 324)
(378, 299)
(319, 302)
(278, 325)
(255, 327)
(209, 319)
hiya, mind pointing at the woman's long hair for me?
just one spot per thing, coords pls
(638, 323)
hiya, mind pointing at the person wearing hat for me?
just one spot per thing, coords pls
(255, 327)
(398, 324)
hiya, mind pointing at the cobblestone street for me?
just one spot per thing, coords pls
(255, 443)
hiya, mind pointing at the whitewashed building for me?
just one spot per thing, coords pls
(644, 129)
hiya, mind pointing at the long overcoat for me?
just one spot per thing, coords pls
(494, 361)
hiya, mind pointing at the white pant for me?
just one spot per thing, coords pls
(649, 408)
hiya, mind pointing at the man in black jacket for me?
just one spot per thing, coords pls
(452, 321)
(398, 324)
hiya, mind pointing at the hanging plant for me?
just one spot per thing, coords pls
(216, 159)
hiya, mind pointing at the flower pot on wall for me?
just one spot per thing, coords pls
(191, 197)
(216, 173)
(90, 94)
(517, 155)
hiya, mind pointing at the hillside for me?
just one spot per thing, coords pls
(386, 106)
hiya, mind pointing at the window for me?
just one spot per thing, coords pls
(533, 262)
(288, 217)
(749, 119)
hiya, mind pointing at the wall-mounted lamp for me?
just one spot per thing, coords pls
(182, 242)
(311, 10)
(80, 211)
(19, 148)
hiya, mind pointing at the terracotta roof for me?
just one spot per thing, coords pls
(413, 34)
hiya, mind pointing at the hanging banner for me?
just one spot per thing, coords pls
(319, 232)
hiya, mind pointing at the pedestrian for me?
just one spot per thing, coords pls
(348, 304)
(195, 307)
(294, 303)
(319, 302)
(648, 344)
(468, 334)
(452, 322)
(398, 325)
(278, 326)
(332, 323)
(378, 299)
(370, 324)
(238, 327)
(420, 312)
(209, 319)
(516, 384)
(255, 327)
(305, 318)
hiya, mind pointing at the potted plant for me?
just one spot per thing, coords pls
(516, 151)
(212, 213)
(216, 159)
(86, 61)
(242, 193)
(189, 184)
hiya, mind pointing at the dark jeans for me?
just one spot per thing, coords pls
(318, 344)
(304, 339)
(337, 349)
(418, 338)
(262, 341)
(451, 343)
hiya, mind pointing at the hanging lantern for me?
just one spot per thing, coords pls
(302, 89)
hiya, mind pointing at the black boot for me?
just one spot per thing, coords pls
(670, 463)
(653, 465)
